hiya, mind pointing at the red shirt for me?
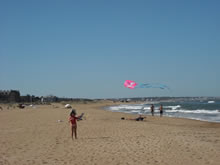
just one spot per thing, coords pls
(73, 119)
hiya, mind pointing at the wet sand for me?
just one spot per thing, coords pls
(35, 135)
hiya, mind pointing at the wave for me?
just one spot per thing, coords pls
(126, 107)
(199, 111)
(173, 107)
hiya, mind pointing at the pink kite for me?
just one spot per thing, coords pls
(130, 84)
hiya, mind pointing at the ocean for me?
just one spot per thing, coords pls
(197, 110)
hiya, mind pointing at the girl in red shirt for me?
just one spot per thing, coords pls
(73, 122)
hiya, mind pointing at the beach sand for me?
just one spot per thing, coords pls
(41, 135)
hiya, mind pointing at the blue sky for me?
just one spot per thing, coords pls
(87, 48)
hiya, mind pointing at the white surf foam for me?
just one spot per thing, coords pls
(199, 111)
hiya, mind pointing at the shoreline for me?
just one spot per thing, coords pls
(125, 111)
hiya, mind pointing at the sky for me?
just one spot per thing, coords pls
(88, 48)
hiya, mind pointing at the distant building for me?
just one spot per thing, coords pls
(9, 96)
(50, 98)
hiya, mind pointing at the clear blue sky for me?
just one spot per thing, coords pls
(88, 48)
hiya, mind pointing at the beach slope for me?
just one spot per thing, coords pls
(41, 135)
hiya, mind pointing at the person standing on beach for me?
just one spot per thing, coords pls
(161, 110)
(73, 122)
(152, 109)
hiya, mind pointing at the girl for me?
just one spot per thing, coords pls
(73, 120)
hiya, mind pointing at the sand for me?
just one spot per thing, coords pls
(41, 135)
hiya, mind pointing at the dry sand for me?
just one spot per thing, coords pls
(33, 136)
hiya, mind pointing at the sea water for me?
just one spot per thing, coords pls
(198, 110)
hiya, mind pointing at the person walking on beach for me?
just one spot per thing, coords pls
(161, 110)
(73, 122)
(152, 109)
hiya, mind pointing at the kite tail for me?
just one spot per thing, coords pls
(160, 86)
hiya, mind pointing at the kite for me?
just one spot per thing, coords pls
(132, 84)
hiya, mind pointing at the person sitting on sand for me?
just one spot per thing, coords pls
(73, 122)
(140, 118)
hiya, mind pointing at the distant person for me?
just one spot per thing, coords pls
(139, 118)
(152, 109)
(21, 106)
(161, 110)
(73, 120)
